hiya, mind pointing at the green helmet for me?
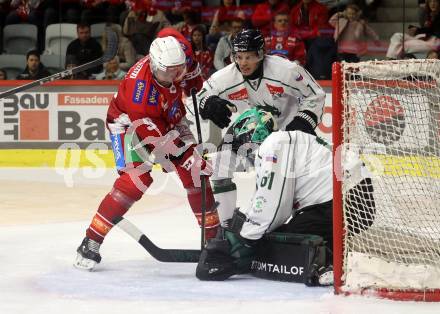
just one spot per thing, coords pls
(253, 126)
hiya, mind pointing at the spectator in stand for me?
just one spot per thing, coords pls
(282, 42)
(96, 11)
(309, 19)
(422, 10)
(71, 63)
(85, 48)
(368, 7)
(111, 71)
(126, 51)
(34, 70)
(66, 11)
(3, 75)
(418, 39)
(222, 20)
(433, 54)
(173, 9)
(4, 10)
(222, 56)
(203, 55)
(228, 11)
(142, 24)
(334, 6)
(351, 33)
(191, 19)
(33, 12)
(265, 12)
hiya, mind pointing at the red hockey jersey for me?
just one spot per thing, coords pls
(139, 96)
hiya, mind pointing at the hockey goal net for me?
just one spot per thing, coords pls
(388, 112)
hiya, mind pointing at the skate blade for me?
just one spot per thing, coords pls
(84, 263)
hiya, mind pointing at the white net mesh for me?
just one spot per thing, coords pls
(392, 118)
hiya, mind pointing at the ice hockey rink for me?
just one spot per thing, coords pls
(44, 214)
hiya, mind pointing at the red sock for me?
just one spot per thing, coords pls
(102, 222)
(212, 221)
(118, 202)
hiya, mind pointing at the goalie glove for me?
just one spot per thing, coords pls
(217, 110)
(305, 121)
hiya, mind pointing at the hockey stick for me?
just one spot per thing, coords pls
(202, 177)
(162, 255)
(110, 52)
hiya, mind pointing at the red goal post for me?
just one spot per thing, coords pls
(389, 112)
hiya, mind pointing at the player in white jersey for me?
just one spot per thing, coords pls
(273, 83)
(294, 179)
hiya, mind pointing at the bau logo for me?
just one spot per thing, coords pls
(25, 116)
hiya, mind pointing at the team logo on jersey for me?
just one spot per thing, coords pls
(139, 90)
(259, 203)
(242, 94)
(275, 91)
(299, 77)
(153, 96)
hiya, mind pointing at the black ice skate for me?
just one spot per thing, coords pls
(88, 254)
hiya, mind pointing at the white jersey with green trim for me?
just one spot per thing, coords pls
(294, 170)
(284, 89)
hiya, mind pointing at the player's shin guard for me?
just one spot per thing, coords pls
(211, 217)
(114, 204)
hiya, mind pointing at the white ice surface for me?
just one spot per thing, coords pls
(37, 275)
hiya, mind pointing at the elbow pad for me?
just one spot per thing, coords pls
(305, 121)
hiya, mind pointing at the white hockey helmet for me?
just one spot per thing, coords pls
(167, 59)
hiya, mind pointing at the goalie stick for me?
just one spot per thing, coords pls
(162, 255)
(110, 52)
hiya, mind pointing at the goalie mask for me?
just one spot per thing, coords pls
(167, 60)
(252, 126)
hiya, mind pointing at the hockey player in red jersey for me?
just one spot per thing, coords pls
(145, 119)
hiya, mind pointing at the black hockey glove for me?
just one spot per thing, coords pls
(305, 121)
(216, 109)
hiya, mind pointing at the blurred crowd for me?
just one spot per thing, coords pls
(311, 32)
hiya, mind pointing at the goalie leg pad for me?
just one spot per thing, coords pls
(289, 257)
(225, 193)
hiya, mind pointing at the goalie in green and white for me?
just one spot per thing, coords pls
(293, 180)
